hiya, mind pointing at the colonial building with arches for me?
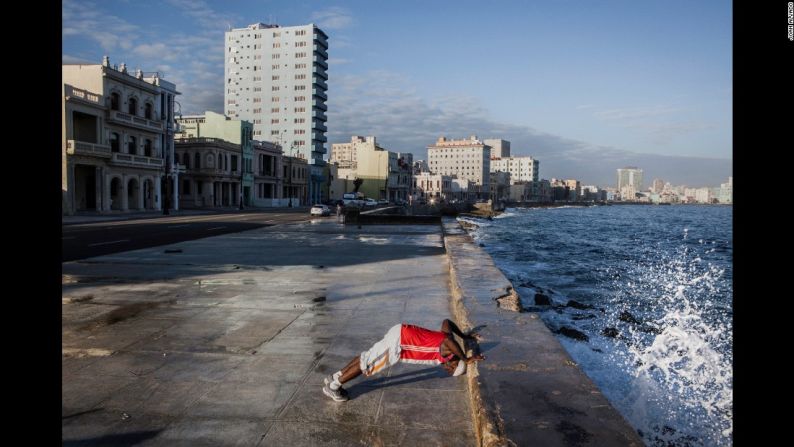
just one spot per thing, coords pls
(213, 172)
(117, 139)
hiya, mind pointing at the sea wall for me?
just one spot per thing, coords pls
(527, 391)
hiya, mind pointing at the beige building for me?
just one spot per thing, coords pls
(385, 174)
(468, 159)
(117, 138)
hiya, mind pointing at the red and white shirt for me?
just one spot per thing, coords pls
(422, 346)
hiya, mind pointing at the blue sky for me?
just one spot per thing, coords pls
(584, 86)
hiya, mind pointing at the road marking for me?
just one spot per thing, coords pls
(177, 226)
(108, 243)
(216, 228)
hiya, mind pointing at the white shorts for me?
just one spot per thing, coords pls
(382, 354)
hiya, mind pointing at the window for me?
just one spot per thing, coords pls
(147, 111)
(274, 121)
(299, 131)
(274, 132)
(300, 54)
(186, 187)
(275, 56)
(275, 77)
(198, 160)
(220, 162)
(300, 87)
(114, 101)
(300, 109)
(300, 120)
(132, 145)
(114, 142)
(300, 44)
(147, 147)
(274, 99)
(300, 98)
(275, 88)
(133, 106)
(300, 76)
(300, 32)
(276, 44)
(234, 162)
(273, 110)
(300, 65)
(186, 160)
(274, 67)
(199, 187)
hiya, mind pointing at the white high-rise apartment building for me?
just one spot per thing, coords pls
(630, 176)
(275, 77)
(521, 169)
(468, 159)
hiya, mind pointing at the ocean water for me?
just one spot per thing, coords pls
(641, 297)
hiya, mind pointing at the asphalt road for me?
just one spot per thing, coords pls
(85, 240)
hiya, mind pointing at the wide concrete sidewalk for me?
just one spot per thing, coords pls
(226, 342)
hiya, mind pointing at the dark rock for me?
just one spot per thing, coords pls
(583, 317)
(610, 332)
(542, 300)
(573, 333)
(650, 329)
(628, 318)
(578, 305)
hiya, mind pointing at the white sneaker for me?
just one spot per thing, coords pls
(339, 395)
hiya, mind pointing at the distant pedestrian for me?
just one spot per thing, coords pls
(410, 344)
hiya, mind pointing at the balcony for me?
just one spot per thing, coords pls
(82, 148)
(318, 49)
(143, 123)
(320, 93)
(137, 161)
(318, 39)
(83, 95)
(320, 104)
(319, 115)
(319, 60)
(320, 82)
(318, 125)
(319, 136)
(321, 73)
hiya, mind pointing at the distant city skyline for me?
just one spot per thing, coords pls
(584, 87)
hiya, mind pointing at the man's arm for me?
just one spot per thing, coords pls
(453, 347)
(447, 326)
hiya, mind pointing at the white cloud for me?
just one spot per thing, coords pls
(333, 18)
(67, 59)
(84, 19)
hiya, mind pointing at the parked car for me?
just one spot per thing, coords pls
(320, 210)
(383, 202)
(370, 202)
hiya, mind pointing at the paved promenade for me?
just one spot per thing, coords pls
(226, 340)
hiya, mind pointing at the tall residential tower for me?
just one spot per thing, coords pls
(275, 77)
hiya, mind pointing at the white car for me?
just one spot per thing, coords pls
(371, 202)
(320, 210)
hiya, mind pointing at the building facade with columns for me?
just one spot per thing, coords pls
(212, 172)
(117, 134)
(240, 132)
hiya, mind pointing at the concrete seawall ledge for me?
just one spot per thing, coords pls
(528, 391)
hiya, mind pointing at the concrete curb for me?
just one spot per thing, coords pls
(528, 391)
